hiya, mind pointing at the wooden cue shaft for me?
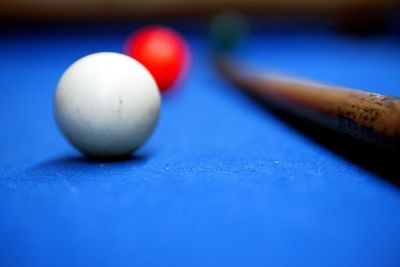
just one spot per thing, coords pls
(370, 117)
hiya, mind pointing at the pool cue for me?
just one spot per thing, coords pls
(369, 117)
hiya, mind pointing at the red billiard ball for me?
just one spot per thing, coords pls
(162, 51)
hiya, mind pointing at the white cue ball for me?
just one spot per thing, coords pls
(107, 104)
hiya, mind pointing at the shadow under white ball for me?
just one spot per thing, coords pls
(107, 104)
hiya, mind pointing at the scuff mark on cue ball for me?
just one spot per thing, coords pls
(120, 102)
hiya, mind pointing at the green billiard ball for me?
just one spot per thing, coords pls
(227, 30)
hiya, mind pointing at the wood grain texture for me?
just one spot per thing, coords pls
(370, 117)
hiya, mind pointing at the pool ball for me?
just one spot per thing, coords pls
(162, 51)
(227, 29)
(107, 104)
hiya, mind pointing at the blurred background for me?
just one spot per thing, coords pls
(354, 16)
(128, 9)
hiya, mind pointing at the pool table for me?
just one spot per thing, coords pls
(221, 182)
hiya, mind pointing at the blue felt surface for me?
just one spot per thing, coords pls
(220, 183)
